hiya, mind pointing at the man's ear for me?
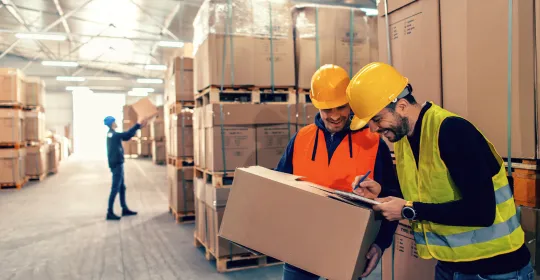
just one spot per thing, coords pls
(402, 105)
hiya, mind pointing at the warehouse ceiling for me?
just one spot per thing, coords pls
(111, 40)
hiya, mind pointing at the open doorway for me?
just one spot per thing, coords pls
(89, 132)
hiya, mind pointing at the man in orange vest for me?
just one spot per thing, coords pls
(330, 154)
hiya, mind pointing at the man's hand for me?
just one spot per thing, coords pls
(368, 188)
(142, 121)
(390, 207)
(374, 255)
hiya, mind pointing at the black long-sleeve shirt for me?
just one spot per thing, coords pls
(115, 151)
(471, 165)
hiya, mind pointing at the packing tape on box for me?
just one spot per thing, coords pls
(222, 120)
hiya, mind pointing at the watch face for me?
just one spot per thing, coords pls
(408, 213)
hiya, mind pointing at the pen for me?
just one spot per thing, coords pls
(361, 180)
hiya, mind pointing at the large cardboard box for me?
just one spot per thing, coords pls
(11, 126)
(36, 160)
(144, 147)
(200, 209)
(11, 86)
(53, 157)
(144, 108)
(229, 147)
(130, 116)
(181, 189)
(198, 142)
(216, 200)
(12, 166)
(181, 135)
(342, 36)
(248, 114)
(531, 227)
(478, 39)
(415, 44)
(273, 213)
(306, 114)
(34, 91)
(404, 258)
(182, 80)
(34, 123)
(272, 140)
(157, 130)
(159, 152)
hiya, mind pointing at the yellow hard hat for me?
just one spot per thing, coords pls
(328, 86)
(374, 87)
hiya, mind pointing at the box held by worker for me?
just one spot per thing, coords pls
(300, 223)
(144, 108)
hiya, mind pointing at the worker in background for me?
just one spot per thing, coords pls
(457, 194)
(330, 154)
(115, 155)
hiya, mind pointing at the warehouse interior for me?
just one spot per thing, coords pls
(215, 92)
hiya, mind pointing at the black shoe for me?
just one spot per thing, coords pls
(127, 212)
(112, 217)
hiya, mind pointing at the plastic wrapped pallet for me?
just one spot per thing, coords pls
(240, 42)
(332, 35)
(11, 86)
(34, 123)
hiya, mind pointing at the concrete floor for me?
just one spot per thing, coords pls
(55, 229)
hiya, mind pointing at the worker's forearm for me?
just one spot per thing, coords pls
(131, 132)
(386, 234)
(477, 213)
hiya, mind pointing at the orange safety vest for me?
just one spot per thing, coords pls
(354, 156)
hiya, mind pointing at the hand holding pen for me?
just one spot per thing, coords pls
(364, 186)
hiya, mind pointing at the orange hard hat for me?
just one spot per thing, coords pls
(329, 86)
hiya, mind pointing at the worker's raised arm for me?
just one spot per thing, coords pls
(127, 135)
(285, 164)
(472, 165)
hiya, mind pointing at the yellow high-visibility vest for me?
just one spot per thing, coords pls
(431, 183)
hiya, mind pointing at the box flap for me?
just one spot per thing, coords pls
(393, 5)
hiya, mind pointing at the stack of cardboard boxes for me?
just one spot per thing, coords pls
(179, 137)
(130, 119)
(34, 123)
(157, 136)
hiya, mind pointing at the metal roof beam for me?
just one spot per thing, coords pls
(64, 21)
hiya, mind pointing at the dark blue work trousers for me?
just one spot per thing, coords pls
(118, 186)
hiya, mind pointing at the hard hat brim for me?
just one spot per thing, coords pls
(330, 104)
(358, 123)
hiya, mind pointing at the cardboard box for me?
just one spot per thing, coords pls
(36, 160)
(53, 157)
(468, 84)
(407, 264)
(333, 40)
(272, 140)
(130, 116)
(181, 189)
(159, 152)
(415, 44)
(183, 80)
(11, 126)
(306, 114)
(282, 54)
(200, 209)
(248, 114)
(144, 147)
(531, 227)
(272, 213)
(34, 123)
(12, 165)
(161, 114)
(11, 86)
(157, 130)
(197, 152)
(181, 135)
(130, 147)
(144, 132)
(200, 138)
(231, 148)
(144, 108)
(34, 91)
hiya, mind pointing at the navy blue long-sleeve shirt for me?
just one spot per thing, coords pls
(115, 151)
(384, 173)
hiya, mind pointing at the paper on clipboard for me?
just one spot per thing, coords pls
(353, 196)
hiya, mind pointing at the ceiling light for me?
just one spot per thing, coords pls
(143, 89)
(138, 93)
(45, 37)
(70, 79)
(104, 78)
(171, 44)
(155, 67)
(76, 88)
(150, 81)
(60, 63)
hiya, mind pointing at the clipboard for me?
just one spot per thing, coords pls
(355, 197)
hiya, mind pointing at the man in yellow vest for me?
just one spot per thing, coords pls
(453, 181)
(330, 154)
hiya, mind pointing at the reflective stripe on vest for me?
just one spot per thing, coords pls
(431, 182)
(355, 155)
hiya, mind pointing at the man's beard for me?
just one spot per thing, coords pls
(399, 131)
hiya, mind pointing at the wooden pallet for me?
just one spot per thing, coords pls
(180, 161)
(34, 143)
(182, 218)
(37, 177)
(12, 145)
(177, 107)
(145, 156)
(33, 108)
(236, 262)
(217, 179)
(526, 175)
(11, 105)
(14, 185)
(254, 95)
(303, 96)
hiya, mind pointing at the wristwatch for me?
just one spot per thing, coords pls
(408, 211)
